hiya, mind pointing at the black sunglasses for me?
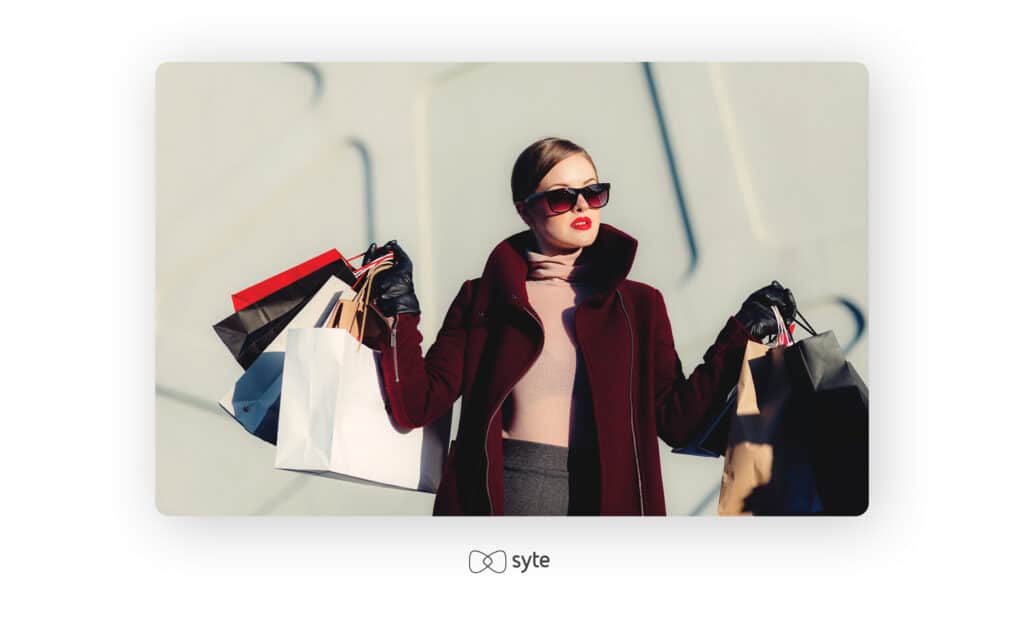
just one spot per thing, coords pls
(558, 201)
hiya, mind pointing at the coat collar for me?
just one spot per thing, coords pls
(504, 275)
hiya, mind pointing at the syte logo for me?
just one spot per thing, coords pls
(497, 561)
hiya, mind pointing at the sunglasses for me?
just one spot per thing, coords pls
(558, 201)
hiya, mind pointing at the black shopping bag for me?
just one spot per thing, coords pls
(248, 332)
(831, 405)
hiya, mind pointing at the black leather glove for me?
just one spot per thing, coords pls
(756, 314)
(392, 289)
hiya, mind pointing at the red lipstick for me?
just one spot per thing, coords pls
(581, 223)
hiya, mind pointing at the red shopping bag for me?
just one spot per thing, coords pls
(256, 292)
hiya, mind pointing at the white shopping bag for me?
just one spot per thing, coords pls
(333, 420)
(253, 399)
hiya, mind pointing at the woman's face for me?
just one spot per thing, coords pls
(575, 228)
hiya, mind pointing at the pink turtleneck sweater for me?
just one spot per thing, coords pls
(551, 404)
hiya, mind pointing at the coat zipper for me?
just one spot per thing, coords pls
(394, 341)
(629, 383)
(490, 420)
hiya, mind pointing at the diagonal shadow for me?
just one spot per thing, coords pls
(287, 492)
(190, 400)
(677, 185)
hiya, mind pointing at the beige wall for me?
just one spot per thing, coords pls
(260, 166)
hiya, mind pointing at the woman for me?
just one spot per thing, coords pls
(567, 369)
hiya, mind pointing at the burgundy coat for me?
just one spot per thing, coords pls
(490, 338)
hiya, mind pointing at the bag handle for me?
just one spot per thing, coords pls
(784, 330)
(363, 295)
(782, 337)
(380, 261)
(361, 301)
(807, 327)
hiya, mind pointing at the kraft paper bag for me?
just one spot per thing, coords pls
(747, 461)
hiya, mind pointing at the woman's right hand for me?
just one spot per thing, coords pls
(392, 289)
(756, 314)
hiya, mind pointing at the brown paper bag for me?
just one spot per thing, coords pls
(747, 485)
(357, 316)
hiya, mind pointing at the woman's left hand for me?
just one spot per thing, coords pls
(756, 313)
(393, 290)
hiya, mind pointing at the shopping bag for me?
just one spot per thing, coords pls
(767, 467)
(333, 417)
(254, 400)
(798, 435)
(247, 332)
(833, 400)
(748, 454)
(712, 437)
(256, 292)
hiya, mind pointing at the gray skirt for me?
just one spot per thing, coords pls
(542, 479)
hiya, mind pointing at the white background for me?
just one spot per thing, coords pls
(82, 537)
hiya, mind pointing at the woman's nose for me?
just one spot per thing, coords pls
(581, 204)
